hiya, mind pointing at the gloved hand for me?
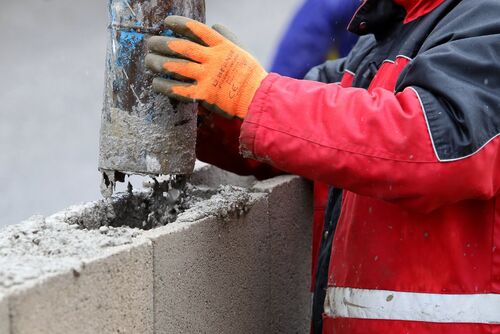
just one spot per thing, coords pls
(207, 67)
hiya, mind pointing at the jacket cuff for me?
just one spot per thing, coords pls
(251, 124)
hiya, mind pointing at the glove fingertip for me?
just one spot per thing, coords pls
(167, 87)
(151, 62)
(175, 22)
(160, 86)
(156, 43)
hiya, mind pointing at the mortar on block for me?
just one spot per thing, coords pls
(226, 265)
(143, 133)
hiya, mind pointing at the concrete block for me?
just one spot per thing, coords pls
(212, 276)
(290, 216)
(4, 315)
(112, 294)
(238, 261)
(211, 176)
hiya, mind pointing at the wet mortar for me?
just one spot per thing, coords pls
(160, 206)
(43, 246)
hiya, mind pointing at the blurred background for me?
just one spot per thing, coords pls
(51, 89)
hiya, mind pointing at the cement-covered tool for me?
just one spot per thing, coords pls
(143, 132)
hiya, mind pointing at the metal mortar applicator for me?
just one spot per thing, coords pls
(142, 132)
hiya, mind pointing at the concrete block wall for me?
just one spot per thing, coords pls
(4, 314)
(290, 205)
(215, 277)
(113, 294)
(208, 273)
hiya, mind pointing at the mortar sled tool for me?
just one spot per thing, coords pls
(142, 132)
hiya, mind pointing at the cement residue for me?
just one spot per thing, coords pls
(144, 210)
(39, 247)
(143, 132)
(154, 208)
(43, 246)
(225, 203)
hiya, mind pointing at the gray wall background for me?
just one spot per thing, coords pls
(51, 84)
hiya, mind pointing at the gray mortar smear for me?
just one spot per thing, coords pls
(42, 246)
(158, 207)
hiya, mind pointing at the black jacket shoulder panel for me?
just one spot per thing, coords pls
(328, 72)
(333, 70)
(465, 19)
(457, 76)
(359, 52)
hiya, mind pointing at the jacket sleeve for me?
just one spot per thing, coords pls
(217, 144)
(316, 27)
(217, 141)
(434, 142)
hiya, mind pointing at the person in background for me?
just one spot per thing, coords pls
(317, 32)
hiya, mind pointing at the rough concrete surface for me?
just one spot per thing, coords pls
(109, 295)
(213, 278)
(213, 177)
(236, 261)
(41, 247)
(290, 217)
(4, 314)
(247, 275)
(226, 202)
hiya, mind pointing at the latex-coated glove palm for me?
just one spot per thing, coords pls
(207, 67)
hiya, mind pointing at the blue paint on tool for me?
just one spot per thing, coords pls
(130, 38)
(127, 43)
(167, 32)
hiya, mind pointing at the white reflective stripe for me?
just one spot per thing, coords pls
(427, 307)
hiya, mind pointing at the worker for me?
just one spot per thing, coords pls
(405, 130)
(316, 33)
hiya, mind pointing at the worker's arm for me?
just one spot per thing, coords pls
(217, 143)
(217, 140)
(375, 144)
(316, 28)
(434, 142)
(218, 137)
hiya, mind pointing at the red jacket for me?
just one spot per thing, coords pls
(410, 133)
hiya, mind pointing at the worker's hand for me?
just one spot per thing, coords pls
(207, 67)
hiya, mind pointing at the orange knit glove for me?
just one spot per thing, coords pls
(207, 67)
